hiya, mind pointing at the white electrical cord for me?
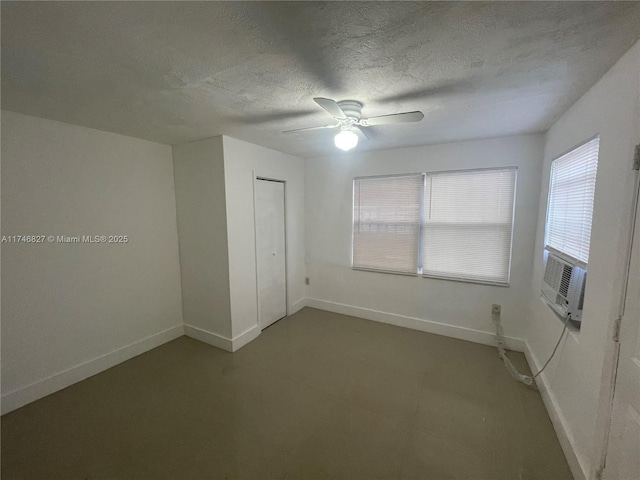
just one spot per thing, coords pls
(526, 379)
(564, 329)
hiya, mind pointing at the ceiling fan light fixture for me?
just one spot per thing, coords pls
(346, 113)
(346, 140)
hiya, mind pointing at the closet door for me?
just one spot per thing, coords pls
(270, 251)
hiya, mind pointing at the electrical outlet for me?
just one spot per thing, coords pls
(495, 309)
(307, 281)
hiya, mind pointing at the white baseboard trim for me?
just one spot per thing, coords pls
(208, 337)
(578, 469)
(22, 396)
(296, 307)
(462, 333)
(245, 337)
(220, 341)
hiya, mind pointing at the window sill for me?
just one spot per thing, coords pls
(435, 277)
(573, 330)
(404, 274)
(467, 280)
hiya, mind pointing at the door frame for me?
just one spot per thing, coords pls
(257, 177)
(612, 353)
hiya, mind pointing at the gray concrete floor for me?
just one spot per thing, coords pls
(317, 395)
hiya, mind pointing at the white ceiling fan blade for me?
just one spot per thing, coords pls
(330, 106)
(358, 131)
(394, 118)
(310, 128)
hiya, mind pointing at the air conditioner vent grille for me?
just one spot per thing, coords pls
(551, 273)
(565, 281)
(563, 287)
(558, 276)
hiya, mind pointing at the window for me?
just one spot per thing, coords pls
(454, 225)
(468, 225)
(386, 223)
(571, 192)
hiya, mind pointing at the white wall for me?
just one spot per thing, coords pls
(70, 310)
(215, 203)
(572, 380)
(242, 163)
(447, 307)
(202, 231)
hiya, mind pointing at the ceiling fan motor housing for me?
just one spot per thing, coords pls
(351, 109)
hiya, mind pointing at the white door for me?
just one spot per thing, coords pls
(623, 454)
(270, 251)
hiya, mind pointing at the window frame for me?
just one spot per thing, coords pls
(421, 246)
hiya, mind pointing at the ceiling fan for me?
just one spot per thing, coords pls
(347, 115)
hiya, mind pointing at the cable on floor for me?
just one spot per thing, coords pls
(526, 379)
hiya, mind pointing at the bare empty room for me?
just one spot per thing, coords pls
(312, 240)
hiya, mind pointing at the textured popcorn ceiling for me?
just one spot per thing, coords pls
(179, 71)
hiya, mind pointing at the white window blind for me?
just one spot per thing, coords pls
(386, 223)
(468, 223)
(454, 225)
(571, 193)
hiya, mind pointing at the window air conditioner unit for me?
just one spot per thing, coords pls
(563, 288)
